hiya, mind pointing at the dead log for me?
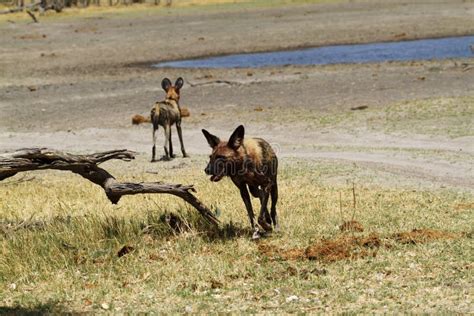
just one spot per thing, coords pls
(30, 159)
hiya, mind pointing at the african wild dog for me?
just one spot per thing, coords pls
(165, 114)
(252, 165)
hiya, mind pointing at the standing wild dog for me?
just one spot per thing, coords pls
(165, 114)
(252, 165)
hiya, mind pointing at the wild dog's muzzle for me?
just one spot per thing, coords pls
(214, 177)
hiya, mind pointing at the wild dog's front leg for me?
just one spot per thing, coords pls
(180, 135)
(244, 193)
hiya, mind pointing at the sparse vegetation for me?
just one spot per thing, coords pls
(71, 261)
(451, 117)
(401, 244)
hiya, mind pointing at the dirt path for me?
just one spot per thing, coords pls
(73, 83)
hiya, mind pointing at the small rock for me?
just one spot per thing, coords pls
(105, 306)
(188, 309)
(292, 298)
(12, 286)
(379, 277)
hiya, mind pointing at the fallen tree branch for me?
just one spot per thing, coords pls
(32, 16)
(86, 165)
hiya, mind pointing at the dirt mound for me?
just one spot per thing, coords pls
(344, 247)
(327, 250)
(418, 236)
(464, 206)
(350, 247)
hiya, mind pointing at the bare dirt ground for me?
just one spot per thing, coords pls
(73, 83)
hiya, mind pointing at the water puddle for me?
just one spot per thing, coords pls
(426, 49)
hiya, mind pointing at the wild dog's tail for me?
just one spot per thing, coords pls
(138, 119)
(184, 112)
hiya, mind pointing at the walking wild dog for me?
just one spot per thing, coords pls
(165, 114)
(252, 165)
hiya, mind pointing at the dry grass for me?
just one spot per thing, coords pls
(147, 8)
(154, 253)
(451, 117)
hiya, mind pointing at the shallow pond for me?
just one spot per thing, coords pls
(425, 49)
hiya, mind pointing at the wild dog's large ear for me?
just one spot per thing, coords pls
(211, 139)
(166, 84)
(237, 138)
(179, 83)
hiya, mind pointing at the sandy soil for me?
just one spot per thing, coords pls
(73, 83)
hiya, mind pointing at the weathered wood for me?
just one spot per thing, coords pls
(32, 16)
(30, 159)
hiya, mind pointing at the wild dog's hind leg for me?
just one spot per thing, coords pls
(153, 149)
(264, 218)
(171, 145)
(167, 137)
(274, 194)
(244, 193)
(180, 135)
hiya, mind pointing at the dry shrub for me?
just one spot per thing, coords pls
(176, 223)
(353, 226)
